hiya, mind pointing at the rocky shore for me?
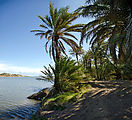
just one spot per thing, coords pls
(40, 95)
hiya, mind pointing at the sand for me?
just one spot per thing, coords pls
(109, 100)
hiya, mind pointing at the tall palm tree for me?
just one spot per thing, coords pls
(87, 60)
(77, 52)
(109, 25)
(57, 30)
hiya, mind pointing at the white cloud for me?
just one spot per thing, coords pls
(19, 70)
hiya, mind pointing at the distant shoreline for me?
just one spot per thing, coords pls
(11, 75)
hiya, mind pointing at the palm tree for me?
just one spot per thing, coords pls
(98, 62)
(77, 52)
(56, 28)
(87, 60)
(68, 74)
(109, 25)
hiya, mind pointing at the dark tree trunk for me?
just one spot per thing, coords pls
(57, 84)
(118, 74)
(130, 5)
(89, 64)
(77, 58)
(95, 62)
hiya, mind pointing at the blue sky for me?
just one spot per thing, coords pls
(21, 51)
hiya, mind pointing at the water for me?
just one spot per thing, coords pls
(13, 97)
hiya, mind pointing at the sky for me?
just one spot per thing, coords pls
(20, 50)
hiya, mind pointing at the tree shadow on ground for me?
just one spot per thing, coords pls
(112, 100)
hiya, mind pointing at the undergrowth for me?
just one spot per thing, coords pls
(60, 101)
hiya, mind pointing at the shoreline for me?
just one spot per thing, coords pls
(11, 75)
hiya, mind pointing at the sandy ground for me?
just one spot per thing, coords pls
(109, 100)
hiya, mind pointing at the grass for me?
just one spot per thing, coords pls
(60, 101)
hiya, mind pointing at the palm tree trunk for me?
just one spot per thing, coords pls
(95, 62)
(89, 63)
(77, 58)
(57, 85)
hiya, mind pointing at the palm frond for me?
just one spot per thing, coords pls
(43, 26)
(70, 35)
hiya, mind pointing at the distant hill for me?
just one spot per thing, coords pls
(10, 75)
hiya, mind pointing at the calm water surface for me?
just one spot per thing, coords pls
(13, 97)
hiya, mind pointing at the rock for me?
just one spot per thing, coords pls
(40, 95)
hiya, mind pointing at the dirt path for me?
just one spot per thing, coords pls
(111, 100)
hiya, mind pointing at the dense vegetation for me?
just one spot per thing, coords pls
(109, 35)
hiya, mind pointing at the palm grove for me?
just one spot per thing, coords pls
(109, 35)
